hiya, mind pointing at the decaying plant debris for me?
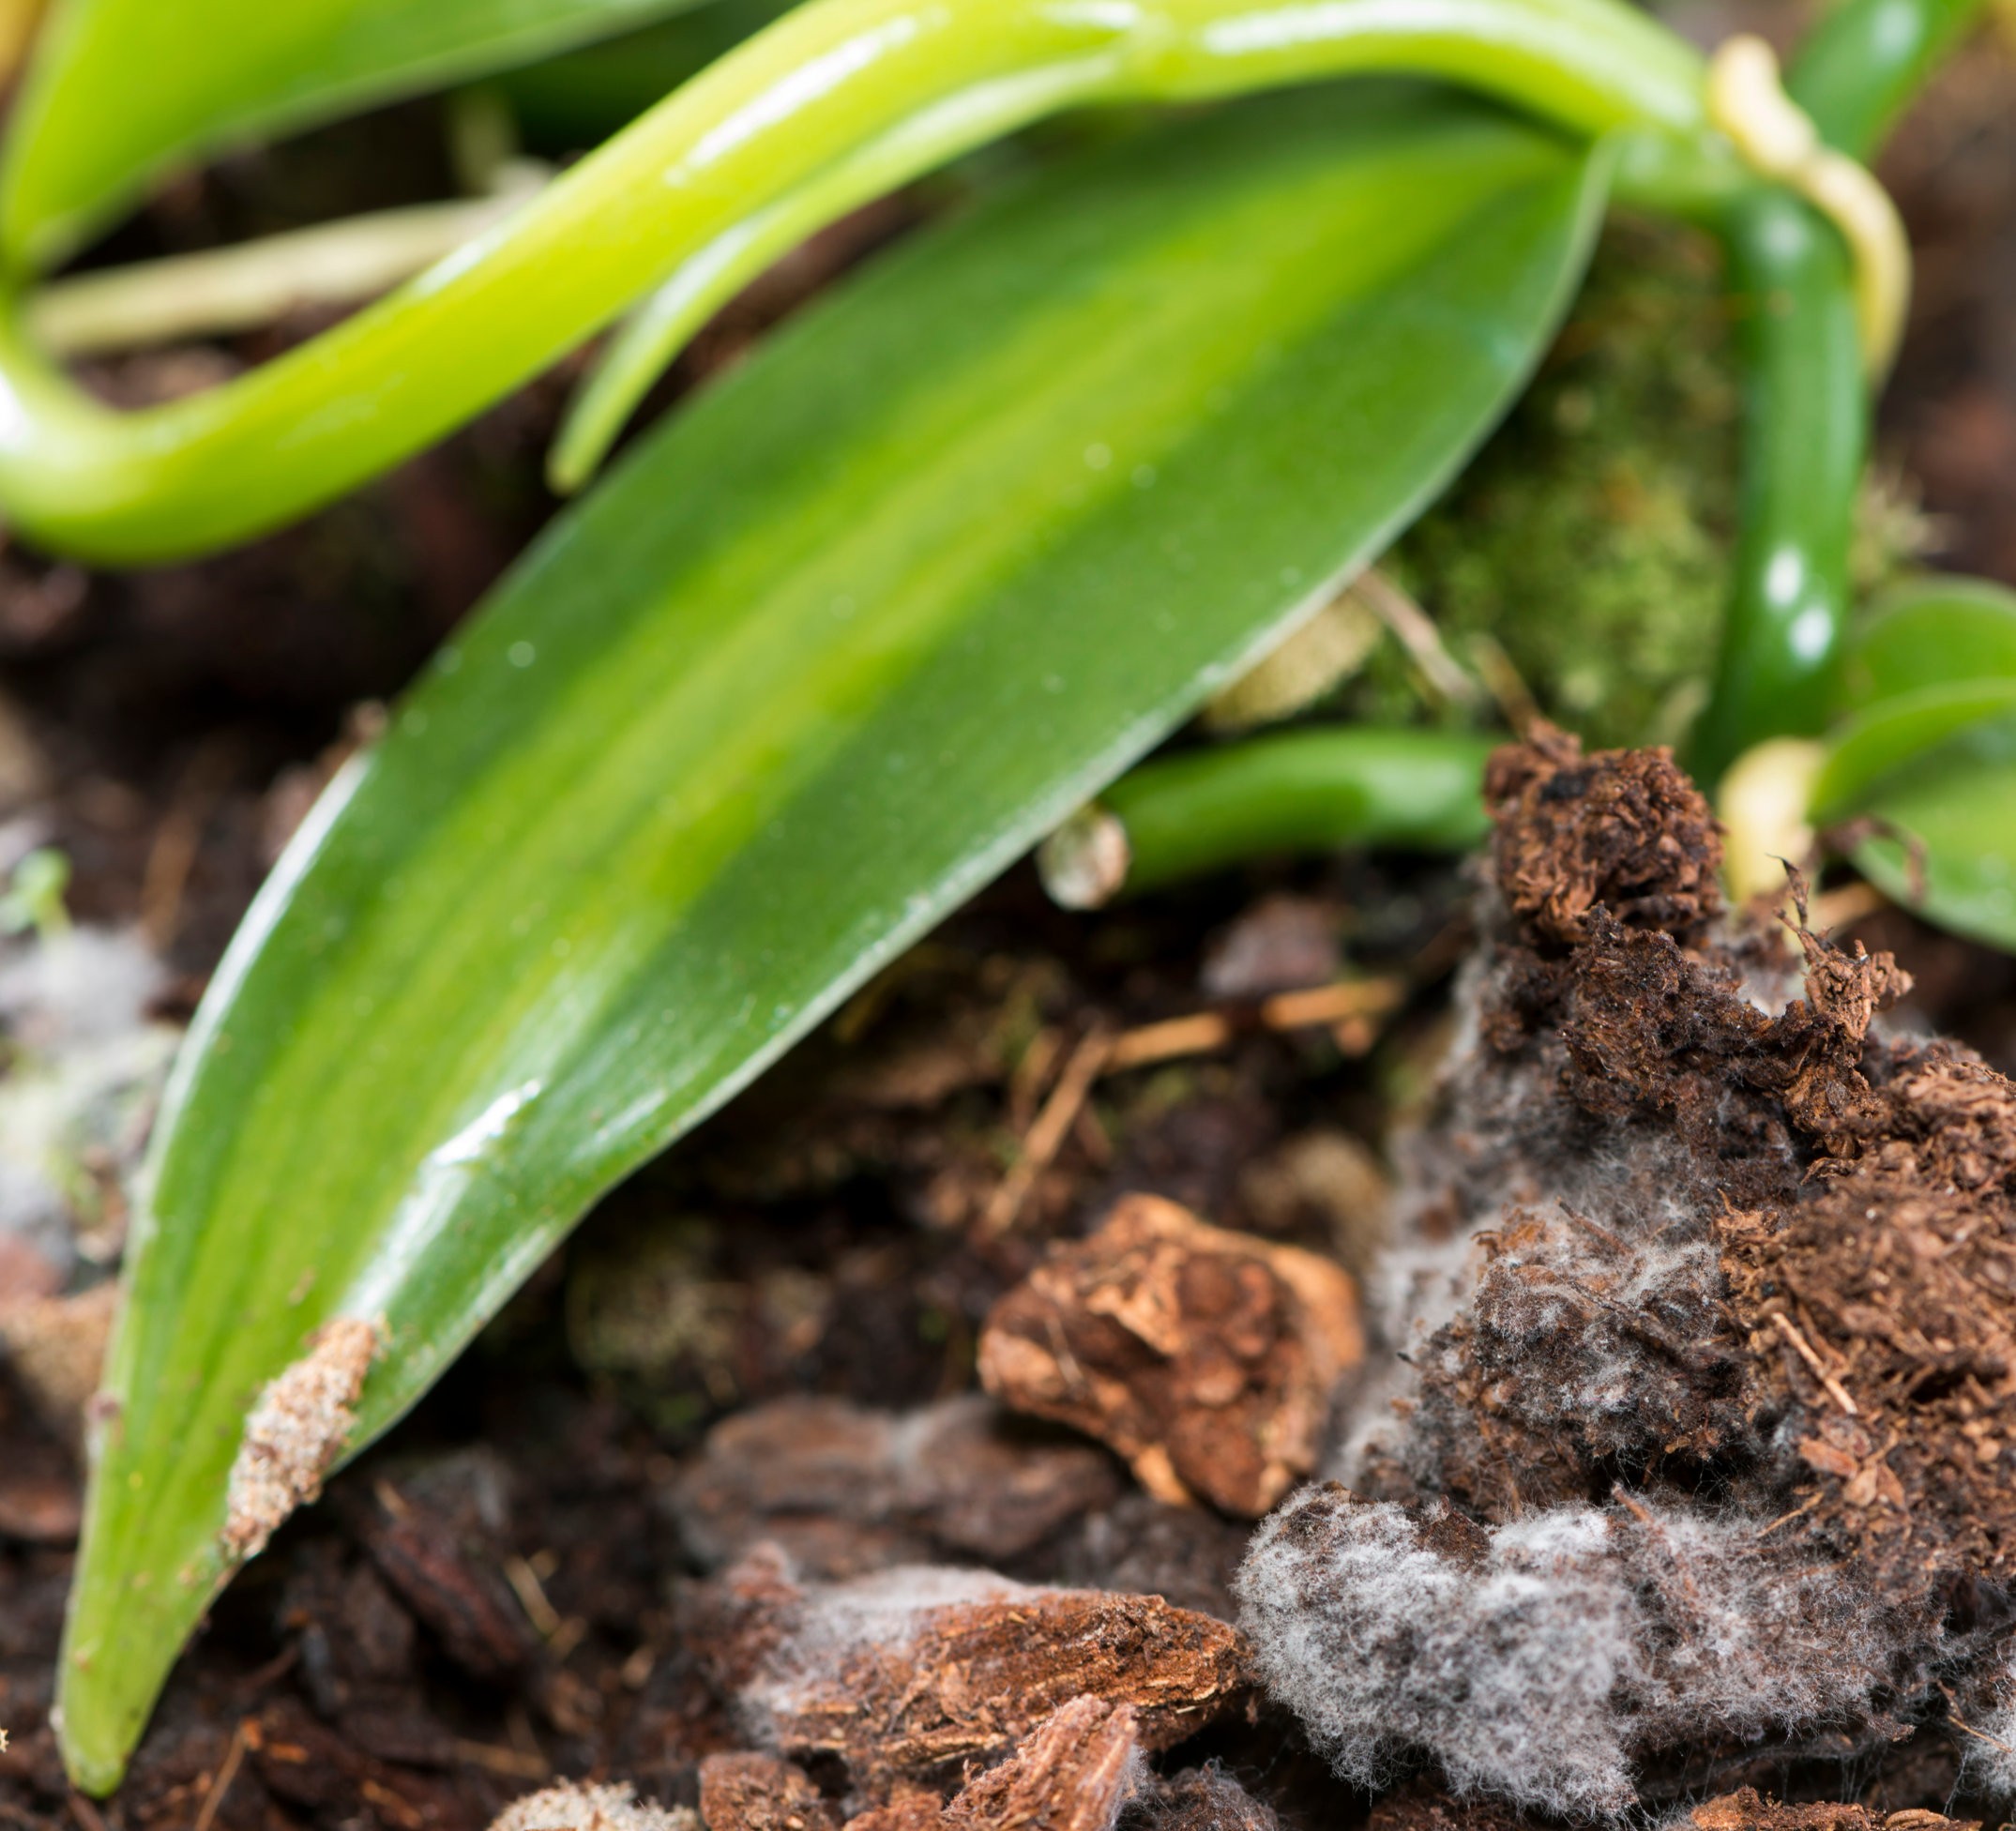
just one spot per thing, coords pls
(1204, 1357)
(1696, 1467)
(1703, 1402)
(912, 1674)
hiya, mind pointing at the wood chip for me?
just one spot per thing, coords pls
(909, 1676)
(1206, 1357)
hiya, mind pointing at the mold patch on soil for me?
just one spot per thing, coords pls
(1693, 1434)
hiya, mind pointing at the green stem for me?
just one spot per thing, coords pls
(901, 84)
(1805, 434)
(1806, 405)
(1299, 790)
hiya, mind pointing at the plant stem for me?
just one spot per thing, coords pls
(1314, 789)
(1806, 405)
(234, 289)
(897, 83)
(1805, 434)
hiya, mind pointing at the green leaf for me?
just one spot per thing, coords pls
(1929, 755)
(1895, 731)
(1933, 632)
(119, 90)
(1950, 853)
(835, 645)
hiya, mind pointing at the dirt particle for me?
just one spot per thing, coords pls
(1204, 1799)
(1746, 1810)
(1623, 829)
(573, 1807)
(295, 1432)
(57, 1346)
(749, 1791)
(845, 1489)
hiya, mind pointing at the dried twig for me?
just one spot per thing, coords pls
(1347, 1002)
(1786, 1518)
(1052, 1126)
(1835, 1390)
(1416, 632)
(233, 1760)
(512, 1763)
(1952, 1717)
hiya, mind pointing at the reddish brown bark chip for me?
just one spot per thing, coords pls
(1623, 829)
(1074, 1773)
(911, 1675)
(1204, 1357)
(912, 1808)
(1748, 1811)
(760, 1793)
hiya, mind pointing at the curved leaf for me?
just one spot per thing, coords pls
(1932, 633)
(1897, 730)
(120, 89)
(834, 645)
(1951, 852)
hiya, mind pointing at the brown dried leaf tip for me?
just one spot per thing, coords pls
(1206, 1357)
(295, 1432)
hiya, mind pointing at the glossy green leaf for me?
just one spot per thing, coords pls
(1933, 632)
(120, 89)
(833, 647)
(1896, 731)
(1950, 850)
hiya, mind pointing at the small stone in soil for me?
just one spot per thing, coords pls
(845, 1489)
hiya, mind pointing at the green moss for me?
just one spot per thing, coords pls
(1590, 538)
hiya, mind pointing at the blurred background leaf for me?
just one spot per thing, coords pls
(119, 91)
(1932, 633)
